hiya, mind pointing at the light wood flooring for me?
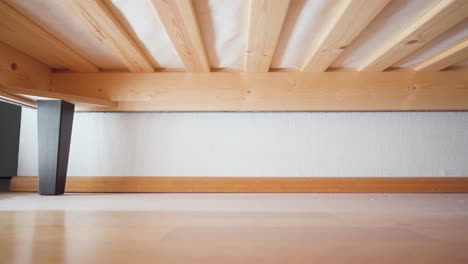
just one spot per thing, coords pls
(234, 228)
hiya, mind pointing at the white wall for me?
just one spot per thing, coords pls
(260, 144)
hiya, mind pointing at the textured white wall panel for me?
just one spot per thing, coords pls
(260, 144)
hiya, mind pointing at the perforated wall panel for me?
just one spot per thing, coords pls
(260, 144)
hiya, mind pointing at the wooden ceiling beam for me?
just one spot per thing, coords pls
(272, 91)
(351, 18)
(444, 15)
(180, 21)
(21, 74)
(446, 58)
(108, 30)
(21, 33)
(266, 19)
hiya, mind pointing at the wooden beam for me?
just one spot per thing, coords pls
(445, 59)
(17, 99)
(19, 32)
(108, 30)
(351, 18)
(444, 15)
(253, 184)
(180, 21)
(82, 101)
(265, 22)
(21, 74)
(272, 91)
(20, 70)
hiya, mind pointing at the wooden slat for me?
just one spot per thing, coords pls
(82, 101)
(17, 99)
(20, 70)
(180, 21)
(445, 59)
(272, 91)
(351, 18)
(108, 30)
(21, 74)
(444, 15)
(21, 33)
(265, 22)
(253, 184)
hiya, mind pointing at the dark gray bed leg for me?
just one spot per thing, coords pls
(10, 124)
(5, 184)
(54, 122)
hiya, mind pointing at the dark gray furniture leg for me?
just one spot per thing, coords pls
(5, 184)
(10, 124)
(54, 122)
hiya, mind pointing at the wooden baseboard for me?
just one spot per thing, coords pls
(252, 184)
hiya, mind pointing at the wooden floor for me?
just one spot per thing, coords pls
(234, 228)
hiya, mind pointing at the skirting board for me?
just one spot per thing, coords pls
(252, 184)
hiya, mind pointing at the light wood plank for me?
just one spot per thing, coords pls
(17, 99)
(20, 70)
(21, 33)
(231, 228)
(81, 101)
(437, 20)
(21, 74)
(228, 228)
(180, 21)
(272, 91)
(266, 19)
(351, 18)
(108, 30)
(252, 184)
(445, 59)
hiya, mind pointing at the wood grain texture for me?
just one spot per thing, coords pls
(21, 74)
(273, 91)
(234, 228)
(444, 15)
(22, 34)
(351, 17)
(180, 21)
(266, 19)
(18, 70)
(82, 101)
(230, 229)
(108, 30)
(252, 184)
(17, 99)
(446, 58)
